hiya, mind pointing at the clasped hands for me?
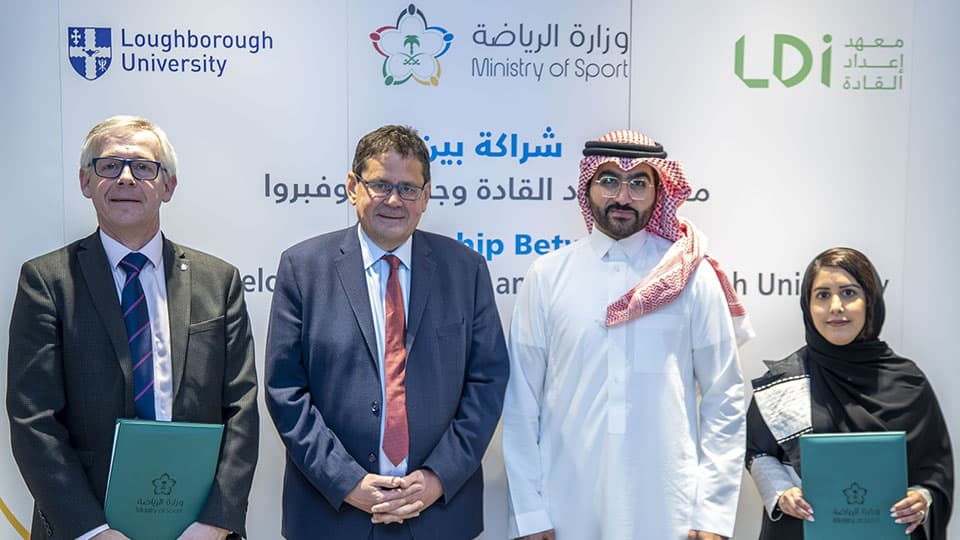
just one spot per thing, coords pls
(392, 499)
(911, 509)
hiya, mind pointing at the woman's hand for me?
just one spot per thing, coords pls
(791, 503)
(911, 509)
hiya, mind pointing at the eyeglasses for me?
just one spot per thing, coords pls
(638, 188)
(111, 167)
(380, 189)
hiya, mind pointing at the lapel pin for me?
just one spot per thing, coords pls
(184, 266)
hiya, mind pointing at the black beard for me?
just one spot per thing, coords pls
(618, 229)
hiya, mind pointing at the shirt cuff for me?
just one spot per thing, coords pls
(90, 534)
(772, 478)
(531, 522)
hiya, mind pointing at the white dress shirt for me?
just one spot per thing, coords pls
(377, 271)
(154, 283)
(629, 432)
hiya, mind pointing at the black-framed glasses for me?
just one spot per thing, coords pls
(638, 188)
(379, 189)
(111, 167)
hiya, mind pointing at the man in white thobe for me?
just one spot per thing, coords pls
(624, 414)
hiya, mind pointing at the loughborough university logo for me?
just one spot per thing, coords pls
(89, 50)
(411, 48)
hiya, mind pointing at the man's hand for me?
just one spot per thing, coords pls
(202, 531)
(793, 504)
(374, 489)
(911, 509)
(704, 535)
(418, 490)
(542, 535)
(110, 534)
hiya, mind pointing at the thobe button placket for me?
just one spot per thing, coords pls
(616, 350)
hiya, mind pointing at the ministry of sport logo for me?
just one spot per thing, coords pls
(411, 48)
(89, 50)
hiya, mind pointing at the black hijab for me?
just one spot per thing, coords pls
(865, 386)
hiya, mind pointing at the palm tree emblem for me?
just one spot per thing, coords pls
(411, 48)
(411, 41)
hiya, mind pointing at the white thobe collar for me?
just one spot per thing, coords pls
(625, 249)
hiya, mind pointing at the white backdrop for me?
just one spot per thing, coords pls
(845, 137)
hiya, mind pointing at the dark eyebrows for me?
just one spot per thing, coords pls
(409, 183)
(626, 175)
(842, 287)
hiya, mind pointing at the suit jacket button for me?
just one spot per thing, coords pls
(372, 457)
(375, 408)
(46, 524)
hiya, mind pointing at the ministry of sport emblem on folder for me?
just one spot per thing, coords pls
(855, 493)
(90, 51)
(163, 484)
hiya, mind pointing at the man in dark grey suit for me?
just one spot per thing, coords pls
(71, 371)
(386, 364)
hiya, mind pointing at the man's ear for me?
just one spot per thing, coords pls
(169, 185)
(352, 183)
(86, 177)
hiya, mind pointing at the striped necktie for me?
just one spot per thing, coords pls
(136, 318)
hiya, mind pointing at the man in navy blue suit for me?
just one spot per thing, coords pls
(386, 364)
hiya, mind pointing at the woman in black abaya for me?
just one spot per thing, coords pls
(846, 380)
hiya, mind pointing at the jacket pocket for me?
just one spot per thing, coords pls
(206, 326)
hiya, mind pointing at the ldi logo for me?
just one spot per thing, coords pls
(781, 44)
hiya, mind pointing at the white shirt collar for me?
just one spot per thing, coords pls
(630, 246)
(372, 252)
(117, 251)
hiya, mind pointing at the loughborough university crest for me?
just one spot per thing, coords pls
(89, 50)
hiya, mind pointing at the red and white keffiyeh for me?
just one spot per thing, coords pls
(667, 280)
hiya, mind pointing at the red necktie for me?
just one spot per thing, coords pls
(396, 441)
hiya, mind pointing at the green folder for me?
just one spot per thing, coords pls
(851, 480)
(160, 476)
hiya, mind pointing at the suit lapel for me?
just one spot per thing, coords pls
(98, 276)
(422, 272)
(176, 269)
(353, 279)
